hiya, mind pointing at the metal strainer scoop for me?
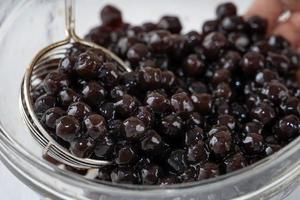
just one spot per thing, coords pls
(43, 63)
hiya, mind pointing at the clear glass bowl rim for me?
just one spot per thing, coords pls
(9, 145)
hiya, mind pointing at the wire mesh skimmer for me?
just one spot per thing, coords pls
(43, 63)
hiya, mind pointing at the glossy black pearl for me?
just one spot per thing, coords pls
(80, 83)
(98, 53)
(167, 180)
(124, 44)
(66, 65)
(146, 115)
(87, 65)
(227, 120)
(124, 175)
(214, 43)
(76, 49)
(152, 142)
(157, 102)
(189, 175)
(108, 74)
(150, 77)
(293, 56)
(150, 175)
(193, 120)
(152, 62)
(194, 135)
(43, 103)
(291, 106)
(239, 41)
(82, 147)
(171, 125)
(37, 92)
(278, 42)
(143, 162)
(134, 31)
(104, 147)
(254, 127)
(202, 102)
(263, 113)
(95, 126)
(68, 96)
(115, 128)
(235, 162)
(118, 92)
(168, 79)
(181, 102)
(134, 128)
(137, 53)
(159, 41)
(79, 110)
(197, 152)
(221, 107)
(275, 91)
(126, 155)
(252, 62)
(193, 65)
(111, 16)
(272, 148)
(162, 60)
(230, 60)
(240, 112)
(280, 62)
(104, 173)
(223, 91)
(257, 25)
(221, 75)
(51, 115)
(179, 47)
(253, 143)
(177, 161)
(225, 10)
(288, 127)
(232, 24)
(170, 23)
(220, 140)
(208, 170)
(197, 87)
(127, 105)
(261, 47)
(67, 128)
(107, 110)
(93, 93)
(100, 35)
(210, 26)
(149, 26)
(193, 39)
(54, 82)
(130, 81)
(266, 76)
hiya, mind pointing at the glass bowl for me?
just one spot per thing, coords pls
(26, 26)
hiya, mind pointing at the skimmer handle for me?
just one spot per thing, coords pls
(70, 19)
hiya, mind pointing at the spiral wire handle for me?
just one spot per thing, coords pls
(44, 62)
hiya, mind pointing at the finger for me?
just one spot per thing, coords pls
(295, 20)
(268, 9)
(290, 29)
(290, 32)
(292, 5)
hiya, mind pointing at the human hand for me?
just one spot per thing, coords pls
(272, 10)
